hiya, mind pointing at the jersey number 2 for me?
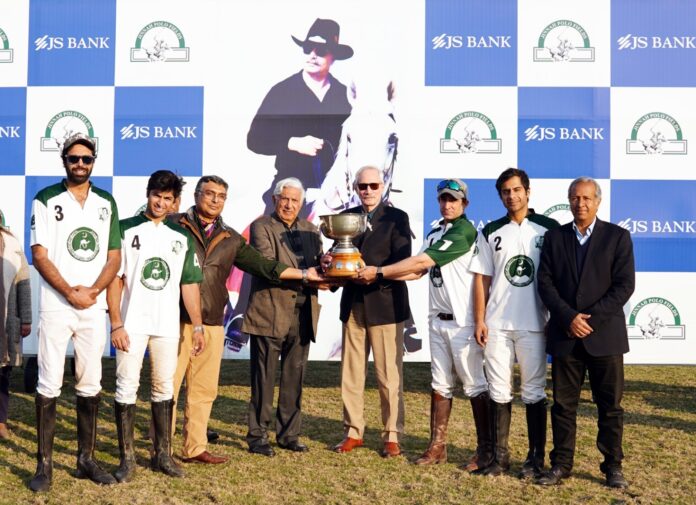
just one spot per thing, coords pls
(497, 243)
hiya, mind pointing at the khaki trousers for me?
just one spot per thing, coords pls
(202, 375)
(387, 344)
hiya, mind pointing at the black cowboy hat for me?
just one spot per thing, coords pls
(324, 33)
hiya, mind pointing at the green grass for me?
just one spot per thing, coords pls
(659, 442)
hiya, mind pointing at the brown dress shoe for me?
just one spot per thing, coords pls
(391, 449)
(348, 444)
(206, 458)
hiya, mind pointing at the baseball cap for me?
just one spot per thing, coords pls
(454, 187)
(79, 138)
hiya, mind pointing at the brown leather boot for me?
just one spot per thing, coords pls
(484, 442)
(440, 408)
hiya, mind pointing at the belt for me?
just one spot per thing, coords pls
(445, 317)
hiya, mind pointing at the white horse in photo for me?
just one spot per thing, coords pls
(369, 137)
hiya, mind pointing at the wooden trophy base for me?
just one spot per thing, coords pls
(345, 264)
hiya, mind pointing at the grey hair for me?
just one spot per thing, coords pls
(363, 169)
(288, 182)
(598, 189)
(211, 178)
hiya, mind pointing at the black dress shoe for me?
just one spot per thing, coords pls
(616, 479)
(263, 449)
(294, 446)
(553, 477)
(212, 435)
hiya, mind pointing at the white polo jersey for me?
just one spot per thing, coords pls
(156, 258)
(509, 253)
(450, 246)
(76, 237)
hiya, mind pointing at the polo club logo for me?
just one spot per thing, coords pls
(6, 52)
(62, 126)
(159, 41)
(564, 40)
(471, 132)
(656, 133)
(655, 319)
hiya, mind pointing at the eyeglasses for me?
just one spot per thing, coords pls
(319, 50)
(449, 184)
(212, 195)
(86, 160)
(374, 186)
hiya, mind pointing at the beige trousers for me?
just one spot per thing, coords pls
(387, 344)
(202, 375)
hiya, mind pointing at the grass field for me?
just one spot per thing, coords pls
(659, 442)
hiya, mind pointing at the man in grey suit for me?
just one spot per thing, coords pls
(281, 320)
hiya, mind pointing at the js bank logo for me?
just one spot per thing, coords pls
(63, 125)
(48, 43)
(6, 52)
(471, 132)
(541, 133)
(632, 42)
(446, 41)
(638, 226)
(656, 133)
(564, 40)
(135, 132)
(159, 41)
(655, 319)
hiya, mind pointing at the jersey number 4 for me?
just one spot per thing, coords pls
(136, 243)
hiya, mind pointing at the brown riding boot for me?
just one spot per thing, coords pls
(484, 442)
(440, 408)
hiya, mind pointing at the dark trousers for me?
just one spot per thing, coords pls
(607, 382)
(4, 392)
(293, 350)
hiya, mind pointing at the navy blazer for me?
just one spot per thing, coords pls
(605, 285)
(386, 241)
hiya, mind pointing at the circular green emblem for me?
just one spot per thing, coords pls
(519, 271)
(83, 244)
(155, 274)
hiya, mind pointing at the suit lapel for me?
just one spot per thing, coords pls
(569, 240)
(283, 234)
(365, 237)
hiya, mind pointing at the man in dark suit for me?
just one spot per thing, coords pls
(585, 278)
(282, 320)
(373, 318)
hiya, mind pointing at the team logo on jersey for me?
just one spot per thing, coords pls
(6, 52)
(471, 132)
(83, 244)
(519, 271)
(564, 40)
(63, 125)
(436, 276)
(177, 246)
(656, 133)
(155, 274)
(103, 214)
(655, 319)
(159, 41)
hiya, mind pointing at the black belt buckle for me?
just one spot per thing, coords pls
(445, 317)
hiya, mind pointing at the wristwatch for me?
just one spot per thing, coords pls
(198, 329)
(380, 275)
(304, 276)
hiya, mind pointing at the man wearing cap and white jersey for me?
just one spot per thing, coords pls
(76, 248)
(510, 319)
(446, 255)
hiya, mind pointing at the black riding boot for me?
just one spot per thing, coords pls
(500, 414)
(87, 466)
(124, 426)
(484, 441)
(45, 430)
(162, 460)
(536, 432)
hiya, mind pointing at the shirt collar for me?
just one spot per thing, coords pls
(589, 231)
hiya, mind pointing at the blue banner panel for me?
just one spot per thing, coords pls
(34, 184)
(661, 216)
(72, 42)
(484, 203)
(653, 43)
(13, 127)
(472, 43)
(158, 128)
(563, 132)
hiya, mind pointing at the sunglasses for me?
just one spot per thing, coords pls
(86, 160)
(374, 186)
(449, 184)
(319, 50)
